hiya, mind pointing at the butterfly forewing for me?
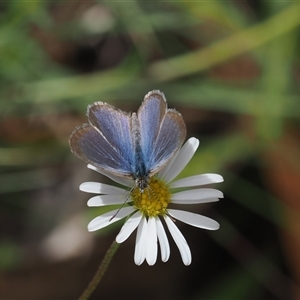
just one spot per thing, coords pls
(150, 116)
(115, 126)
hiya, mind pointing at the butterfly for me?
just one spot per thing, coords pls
(130, 145)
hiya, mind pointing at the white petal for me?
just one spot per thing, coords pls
(165, 170)
(101, 188)
(121, 180)
(180, 241)
(109, 218)
(197, 180)
(130, 225)
(184, 156)
(151, 249)
(196, 196)
(195, 201)
(163, 241)
(194, 219)
(102, 200)
(140, 244)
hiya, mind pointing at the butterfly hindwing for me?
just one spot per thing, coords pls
(169, 140)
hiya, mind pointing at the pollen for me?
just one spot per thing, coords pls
(154, 199)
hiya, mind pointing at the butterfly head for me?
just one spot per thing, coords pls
(142, 183)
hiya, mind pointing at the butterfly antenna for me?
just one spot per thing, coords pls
(126, 199)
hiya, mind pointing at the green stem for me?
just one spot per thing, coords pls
(100, 272)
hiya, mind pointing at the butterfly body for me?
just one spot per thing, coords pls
(135, 146)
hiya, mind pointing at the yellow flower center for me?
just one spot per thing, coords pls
(154, 200)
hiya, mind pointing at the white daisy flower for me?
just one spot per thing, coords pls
(146, 210)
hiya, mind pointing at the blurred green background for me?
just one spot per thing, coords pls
(232, 68)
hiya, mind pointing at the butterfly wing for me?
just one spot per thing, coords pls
(162, 131)
(106, 142)
(170, 138)
(150, 116)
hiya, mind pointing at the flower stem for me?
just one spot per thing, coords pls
(100, 272)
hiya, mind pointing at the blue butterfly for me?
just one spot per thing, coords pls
(131, 145)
